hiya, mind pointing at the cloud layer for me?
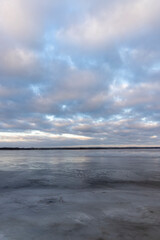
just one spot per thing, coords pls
(79, 73)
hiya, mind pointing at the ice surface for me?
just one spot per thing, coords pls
(75, 195)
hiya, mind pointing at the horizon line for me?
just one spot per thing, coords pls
(80, 148)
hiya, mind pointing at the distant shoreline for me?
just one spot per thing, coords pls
(75, 148)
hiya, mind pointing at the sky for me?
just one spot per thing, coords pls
(79, 73)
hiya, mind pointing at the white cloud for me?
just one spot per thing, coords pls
(25, 21)
(39, 136)
(153, 137)
(19, 59)
(111, 22)
(15, 19)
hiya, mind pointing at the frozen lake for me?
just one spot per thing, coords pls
(80, 195)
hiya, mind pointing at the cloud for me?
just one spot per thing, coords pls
(79, 73)
(111, 23)
(26, 21)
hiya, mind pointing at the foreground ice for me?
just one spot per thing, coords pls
(75, 195)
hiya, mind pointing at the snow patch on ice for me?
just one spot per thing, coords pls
(81, 217)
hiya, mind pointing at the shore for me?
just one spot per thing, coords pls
(77, 148)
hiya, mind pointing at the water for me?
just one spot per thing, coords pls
(80, 194)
